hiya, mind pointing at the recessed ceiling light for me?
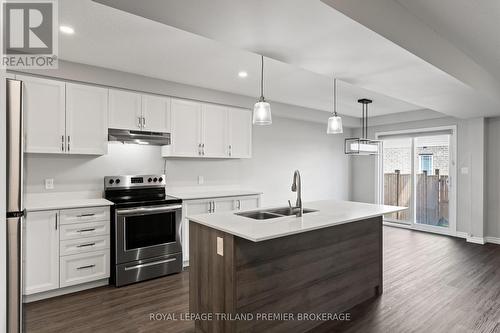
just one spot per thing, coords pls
(243, 74)
(66, 29)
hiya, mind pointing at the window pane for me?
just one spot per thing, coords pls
(397, 161)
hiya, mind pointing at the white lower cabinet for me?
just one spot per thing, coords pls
(84, 267)
(41, 252)
(65, 248)
(212, 205)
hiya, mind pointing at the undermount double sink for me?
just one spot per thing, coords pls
(273, 213)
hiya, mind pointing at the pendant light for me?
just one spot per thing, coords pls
(335, 121)
(262, 109)
(363, 145)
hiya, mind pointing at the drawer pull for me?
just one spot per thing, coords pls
(86, 215)
(84, 245)
(149, 264)
(85, 267)
(86, 230)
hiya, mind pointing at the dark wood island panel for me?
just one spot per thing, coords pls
(328, 270)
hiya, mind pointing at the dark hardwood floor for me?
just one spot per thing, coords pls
(432, 284)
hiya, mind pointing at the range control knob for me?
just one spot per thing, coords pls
(160, 179)
(117, 181)
(150, 180)
(155, 179)
(111, 181)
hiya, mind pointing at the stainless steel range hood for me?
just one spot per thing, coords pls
(139, 137)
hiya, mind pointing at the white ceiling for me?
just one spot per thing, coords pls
(312, 35)
(118, 40)
(471, 25)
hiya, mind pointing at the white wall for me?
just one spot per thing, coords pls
(278, 150)
(470, 187)
(493, 177)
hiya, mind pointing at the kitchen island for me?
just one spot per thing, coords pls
(282, 267)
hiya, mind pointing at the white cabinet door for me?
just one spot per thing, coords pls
(191, 208)
(124, 110)
(222, 205)
(247, 203)
(86, 119)
(156, 113)
(186, 128)
(214, 131)
(240, 133)
(44, 115)
(41, 241)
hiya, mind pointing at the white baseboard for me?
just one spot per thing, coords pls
(493, 240)
(459, 234)
(64, 291)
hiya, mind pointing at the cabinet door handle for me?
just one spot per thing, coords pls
(215, 207)
(85, 245)
(239, 204)
(86, 215)
(56, 222)
(139, 122)
(84, 267)
(69, 139)
(143, 122)
(199, 148)
(86, 230)
(62, 142)
(210, 206)
(203, 149)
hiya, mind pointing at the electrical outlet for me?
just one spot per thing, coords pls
(201, 180)
(49, 183)
(220, 246)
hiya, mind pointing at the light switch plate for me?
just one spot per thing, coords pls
(49, 183)
(220, 246)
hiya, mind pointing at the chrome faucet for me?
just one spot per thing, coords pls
(297, 187)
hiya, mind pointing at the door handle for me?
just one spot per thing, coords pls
(69, 139)
(86, 215)
(84, 267)
(86, 230)
(85, 245)
(62, 142)
(139, 122)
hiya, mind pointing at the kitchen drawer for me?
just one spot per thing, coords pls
(83, 245)
(79, 215)
(84, 267)
(83, 230)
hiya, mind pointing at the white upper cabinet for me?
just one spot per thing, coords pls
(186, 128)
(86, 119)
(214, 134)
(209, 130)
(124, 110)
(240, 133)
(44, 115)
(41, 253)
(155, 113)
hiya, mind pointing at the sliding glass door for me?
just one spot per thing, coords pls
(416, 170)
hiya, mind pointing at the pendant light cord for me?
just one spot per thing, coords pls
(335, 97)
(262, 78)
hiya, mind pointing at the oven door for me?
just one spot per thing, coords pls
(146, 232)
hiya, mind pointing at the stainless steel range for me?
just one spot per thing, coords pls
(145, 228)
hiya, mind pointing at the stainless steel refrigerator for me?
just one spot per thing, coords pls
(15, 208)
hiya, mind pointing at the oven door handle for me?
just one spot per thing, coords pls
(146, 210)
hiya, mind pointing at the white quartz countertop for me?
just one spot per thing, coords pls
(329, 213)
(35, 202)
(204, 194)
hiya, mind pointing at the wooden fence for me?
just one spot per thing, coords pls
(431, 196)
